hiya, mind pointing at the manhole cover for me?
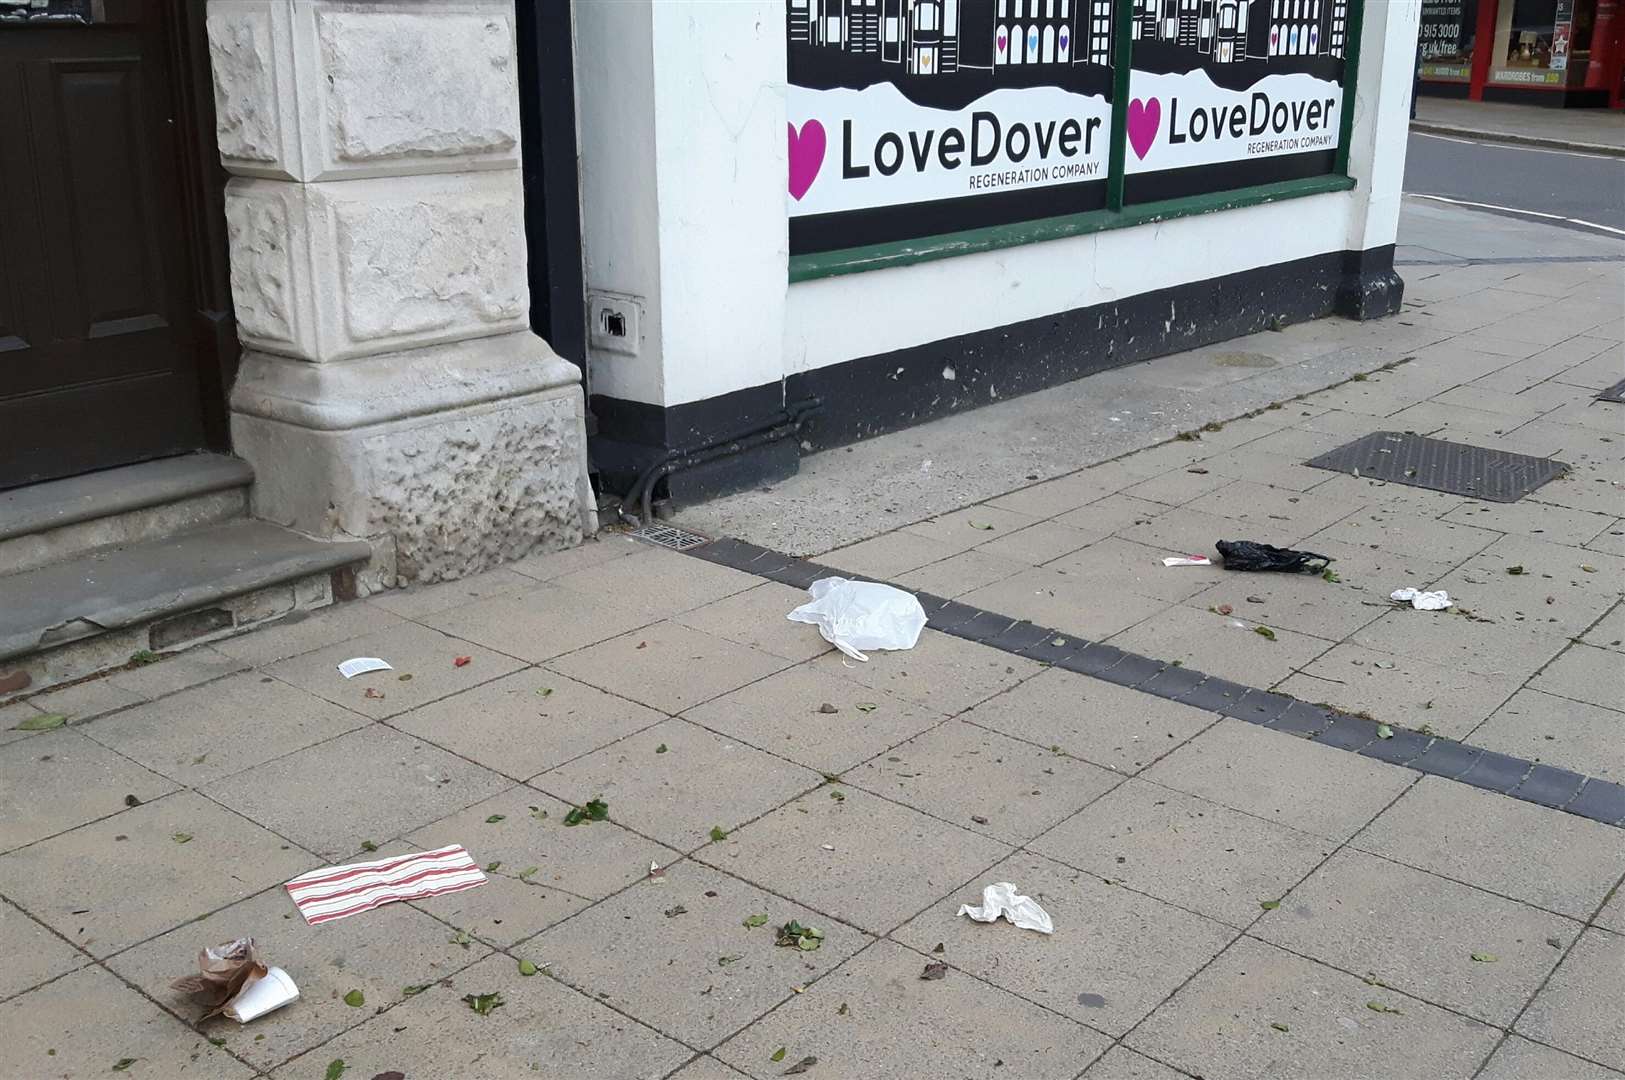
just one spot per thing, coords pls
(1614, 393)
(1456, 468)
(667, 537)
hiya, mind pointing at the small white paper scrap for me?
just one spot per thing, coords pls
(360, 665)
(1001, 898)
(1187, 560)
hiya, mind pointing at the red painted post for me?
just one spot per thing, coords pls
(1483, 48)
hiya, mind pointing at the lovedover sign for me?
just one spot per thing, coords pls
(915, 118)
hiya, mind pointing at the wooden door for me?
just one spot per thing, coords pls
(99, 342)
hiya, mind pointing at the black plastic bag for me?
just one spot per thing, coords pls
(1251, 555)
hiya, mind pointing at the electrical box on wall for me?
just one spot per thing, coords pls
(615, 322)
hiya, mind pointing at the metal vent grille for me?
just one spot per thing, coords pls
(1438, 465)
(668, 537)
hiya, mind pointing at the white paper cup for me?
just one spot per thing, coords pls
(272, 992)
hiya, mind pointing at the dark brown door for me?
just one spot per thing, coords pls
(99, 350)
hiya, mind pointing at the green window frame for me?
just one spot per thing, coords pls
(1115, 215)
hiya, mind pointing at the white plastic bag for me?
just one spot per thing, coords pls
(857, 615)
(1001, 898)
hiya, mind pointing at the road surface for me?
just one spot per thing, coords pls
(1581, 191)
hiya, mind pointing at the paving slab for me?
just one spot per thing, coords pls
(1578, 1008)
(379, 953)
(700, 781)
(540, 623)
(1418, 933)
(421, 600)
(84, 701)
(960, 574)
(1585, 674)
(1053, 498)
(965, 529)
(60, 779)
(657, 582)
(706, 1068)
(1114, 956)
(1315, 789)
(1551, 592)
(1528, 852)
(1114, 565)
(785, 715)
(1076, 604)
(1119, 729)
(1550, 523)
(983, 781)
(211, 731)
(372, 784)
(1612, 915)
(607, 546)
(1189, 530)
(1179, 485)
(1039, 543)
(889, 555)
(756, 617)
(1466, 644)
(1305, 603)
(33, 953)
(541, 1028)
(1609, 631)
(523, 724)
(114, 882)
(544, 871)
(888, 1007)
(1393, 688)
(855, 856)
(1520, 1059)
(1220, 1024)
(1402, 531)
(1191, 852)
(1111, 513)
(306, 631)
(1121, 1063)
(129, 1030)
(1558, 731)
(941, 673)
(1208, 642)
(669, 666)
(711, 974)
(429, 656)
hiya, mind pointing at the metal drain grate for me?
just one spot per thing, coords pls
(1455, 468)
(667, 537)
(1615, 393)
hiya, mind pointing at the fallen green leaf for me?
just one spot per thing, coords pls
(484, 1003)
(42, 723)
(1269, 905)
(124, 1063)
(661, 749)
(200, 759)
(594, 810)
(866, 706)
(805, 938)
(529, 872)
(143, 657)
(493, 867)
(778, 1055)
(335, 1069)
(217, 1042)
(1384, 731)
(1280, 1027)
(1516, 570)
(355, 999)
(1379, 1007)
(1485, 957)
(462, 938)
(837, 796)
(979, 525)
(415, 989)
(494, 818)
(842, 1010)
(755, 920)
(527, 969)
(545, 691)
(538, 813)
(1330, 575)
(718, 832)
(368, 845)
(1264, 632)
(182, 838)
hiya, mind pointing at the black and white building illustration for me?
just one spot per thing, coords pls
(1229, 31)
(940, 37)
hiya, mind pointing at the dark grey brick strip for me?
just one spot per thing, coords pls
(1560, 789)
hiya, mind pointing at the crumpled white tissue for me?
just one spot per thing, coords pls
(1423, 601)
(1001, 898)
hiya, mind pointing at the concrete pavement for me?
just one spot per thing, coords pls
(1599, 131)
(1229, 900)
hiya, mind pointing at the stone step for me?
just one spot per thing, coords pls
(86, 614)
(51, 522)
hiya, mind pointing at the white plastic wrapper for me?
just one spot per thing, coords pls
(1423, 601)
(858, 615)
(1001, 898)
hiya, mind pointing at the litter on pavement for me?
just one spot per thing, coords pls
(1187, 560)
(857, 615)
(1001, 898)
(233, 981)
(337, 892)
(1251, 555)
(1423, 601)
(360, 665)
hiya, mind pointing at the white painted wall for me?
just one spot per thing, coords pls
(725, 318)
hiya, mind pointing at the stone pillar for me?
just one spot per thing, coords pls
(391, 389)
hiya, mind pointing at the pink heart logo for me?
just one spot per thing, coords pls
(806, 156)
(1003, 40)
(1143, 120)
